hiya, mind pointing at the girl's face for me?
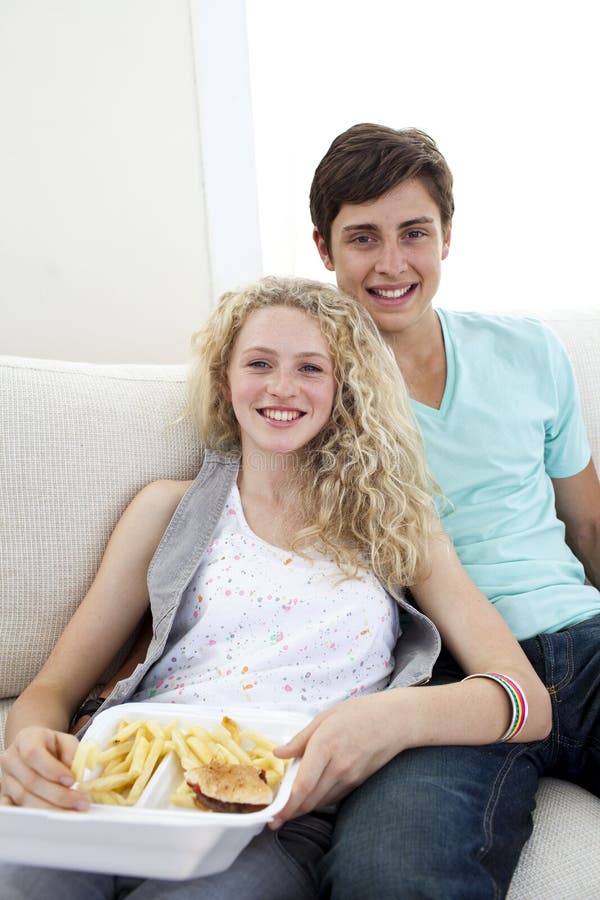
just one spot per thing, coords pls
(281, 381)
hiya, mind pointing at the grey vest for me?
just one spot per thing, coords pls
(180, 551)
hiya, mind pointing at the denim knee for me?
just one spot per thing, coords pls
(568, 662)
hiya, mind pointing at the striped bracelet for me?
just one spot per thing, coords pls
(517, 699)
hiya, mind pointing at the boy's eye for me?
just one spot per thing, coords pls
(362, 239)
(416, 233)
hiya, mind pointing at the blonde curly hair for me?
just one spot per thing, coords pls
(362, 487)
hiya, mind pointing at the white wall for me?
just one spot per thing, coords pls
(510, 92)
(110, 249)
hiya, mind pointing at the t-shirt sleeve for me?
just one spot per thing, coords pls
(567, 448)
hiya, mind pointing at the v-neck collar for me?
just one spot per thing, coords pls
(450, 374)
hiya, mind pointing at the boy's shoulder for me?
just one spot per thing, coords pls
(500, 329)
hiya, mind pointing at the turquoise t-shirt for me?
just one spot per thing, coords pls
(509, 421)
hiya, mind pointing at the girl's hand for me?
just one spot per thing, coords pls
(340, 749)
(35, 770)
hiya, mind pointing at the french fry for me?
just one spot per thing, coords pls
(115, 766)
(85, 757)
(154, 730)
(200, 748)
(270, 762)
(210, 745)
(258, 739)
(186, 756)
(272, 778)
(185, 800)
(140, 752)
(107, 782)
(112, 797)
(125, 731)
(168, 730)
(223, 736)
(183, 795)
(233, 728)
(116, 751)
(154, 754)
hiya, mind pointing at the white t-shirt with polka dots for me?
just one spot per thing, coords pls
(264, 626)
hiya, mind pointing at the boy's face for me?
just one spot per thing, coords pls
(387, 253)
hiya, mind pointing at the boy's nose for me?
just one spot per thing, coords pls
(391, 260)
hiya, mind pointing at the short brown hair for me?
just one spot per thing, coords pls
(367, 161)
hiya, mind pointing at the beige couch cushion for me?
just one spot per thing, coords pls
(560, 861)
(77, 442)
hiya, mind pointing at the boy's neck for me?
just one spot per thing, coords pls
(421, 357)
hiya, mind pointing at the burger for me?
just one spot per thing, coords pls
(225, 787)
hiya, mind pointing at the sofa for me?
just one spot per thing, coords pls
(78, 440)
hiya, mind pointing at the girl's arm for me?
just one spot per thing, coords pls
(35, 765)
(346, 744)
(480, 641)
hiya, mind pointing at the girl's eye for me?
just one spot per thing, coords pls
(258, 364)
(310, 368)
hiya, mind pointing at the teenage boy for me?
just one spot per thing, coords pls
(497, 404)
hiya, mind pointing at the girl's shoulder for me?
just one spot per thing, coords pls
(152, 507)
(161, 496)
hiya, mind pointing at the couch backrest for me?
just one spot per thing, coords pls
(77, 443)
(580, 333)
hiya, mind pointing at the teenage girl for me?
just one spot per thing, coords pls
(277, 578)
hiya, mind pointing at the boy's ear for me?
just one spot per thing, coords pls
(323, 251)
(446, 244)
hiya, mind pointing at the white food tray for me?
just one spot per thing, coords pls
(151, 839)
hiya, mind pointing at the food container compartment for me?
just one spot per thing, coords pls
(154, 838)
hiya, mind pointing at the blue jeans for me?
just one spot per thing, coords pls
(274, 866)
(449, 823)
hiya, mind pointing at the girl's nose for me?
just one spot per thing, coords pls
(282, 383)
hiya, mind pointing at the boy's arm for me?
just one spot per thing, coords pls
(578, 505)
